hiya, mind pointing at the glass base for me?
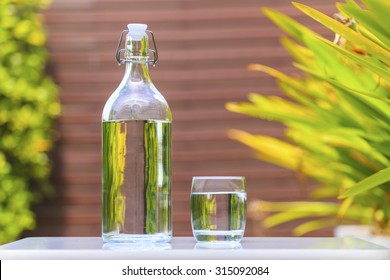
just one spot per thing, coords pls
(218, 236)
(137, 238)
(217, 245)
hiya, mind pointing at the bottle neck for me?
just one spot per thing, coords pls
(137, 56)
(137, 71)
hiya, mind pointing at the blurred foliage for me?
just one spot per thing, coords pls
(337, 118)
(28, 104)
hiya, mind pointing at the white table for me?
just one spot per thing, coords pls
(250, 248)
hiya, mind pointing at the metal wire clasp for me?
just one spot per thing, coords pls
(123, 60)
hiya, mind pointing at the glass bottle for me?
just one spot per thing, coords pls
(136, 150)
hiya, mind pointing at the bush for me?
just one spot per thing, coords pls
(337, 117)
(28, 105)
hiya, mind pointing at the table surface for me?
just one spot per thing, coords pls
(271, 248)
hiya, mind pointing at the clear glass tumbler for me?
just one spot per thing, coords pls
(218, 208)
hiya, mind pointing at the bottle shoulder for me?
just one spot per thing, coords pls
(136, 103)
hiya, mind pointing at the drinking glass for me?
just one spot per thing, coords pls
(218, 208)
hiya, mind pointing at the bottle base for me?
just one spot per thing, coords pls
(136, 238)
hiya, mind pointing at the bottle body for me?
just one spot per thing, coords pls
(136, 156)
(137, 180)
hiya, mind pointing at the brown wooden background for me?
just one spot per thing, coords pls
(204, 47)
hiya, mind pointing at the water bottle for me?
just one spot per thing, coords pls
(136, 149)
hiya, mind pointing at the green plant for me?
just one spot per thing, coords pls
(337, 117)
(28, 104)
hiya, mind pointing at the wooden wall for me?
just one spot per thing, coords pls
(204, 48)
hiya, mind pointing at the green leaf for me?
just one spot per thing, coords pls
(346, 32)
(283, 154)
(366, 103)
(368, 183)
(295, 211)
(325, 192)
(382, 72)
(290, 211)
(332, 65)
(351, 3)
(298, 90)
(314, 225)
(298, 52)
(381, 8)
(290, 26)
(369, 20)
